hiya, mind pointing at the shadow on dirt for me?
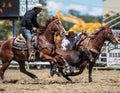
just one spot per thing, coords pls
(38, 81)
(10, 81)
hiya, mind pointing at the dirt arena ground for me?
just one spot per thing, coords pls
(104, 82)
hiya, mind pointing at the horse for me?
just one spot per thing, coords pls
(78, 57)
(45, 49)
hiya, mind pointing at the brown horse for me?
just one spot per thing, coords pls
(79, 59)
(45, 49)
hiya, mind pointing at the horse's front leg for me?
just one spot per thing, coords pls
(23, 70)
(52, 61)
(91, 64)
(53, 69)
(48, 58)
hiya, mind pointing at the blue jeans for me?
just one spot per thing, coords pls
(27, 34)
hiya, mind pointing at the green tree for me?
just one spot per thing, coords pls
(5, 30)
(6, 27)
(44, 14)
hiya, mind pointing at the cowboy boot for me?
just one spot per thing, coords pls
(30, 51)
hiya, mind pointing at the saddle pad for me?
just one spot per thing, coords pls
(19, 42)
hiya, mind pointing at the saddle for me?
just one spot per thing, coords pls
(20, 43)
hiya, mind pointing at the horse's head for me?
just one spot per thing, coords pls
(56, 26)
(110, 36)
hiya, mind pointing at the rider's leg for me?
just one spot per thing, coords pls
(28, 36)
(30, 50)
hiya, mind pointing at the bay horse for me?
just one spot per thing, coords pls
(79, 59)
(45, 49)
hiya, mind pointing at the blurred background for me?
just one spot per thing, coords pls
(76, 15)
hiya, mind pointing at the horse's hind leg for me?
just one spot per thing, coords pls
(90, 71)
(23, 70)
(3, 68)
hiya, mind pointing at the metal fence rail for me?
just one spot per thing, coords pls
(28, 65)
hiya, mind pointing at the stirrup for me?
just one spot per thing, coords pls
(31, 57)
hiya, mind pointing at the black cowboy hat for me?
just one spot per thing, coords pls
(71, 34)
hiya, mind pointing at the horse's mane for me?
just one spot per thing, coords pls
(98, 31)
(44, 26)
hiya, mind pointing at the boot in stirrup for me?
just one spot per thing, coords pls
(30, 51)
(31, 56)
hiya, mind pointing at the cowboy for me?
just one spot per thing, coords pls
(69, 41)
(29, 25)
(73, 41)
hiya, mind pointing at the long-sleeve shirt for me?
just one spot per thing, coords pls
(30, 20)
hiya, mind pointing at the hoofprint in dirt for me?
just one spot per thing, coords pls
(104, 82)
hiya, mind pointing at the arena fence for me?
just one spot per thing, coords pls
(29, 65)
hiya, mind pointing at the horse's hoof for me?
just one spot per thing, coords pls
(52, 73)
(90, 80)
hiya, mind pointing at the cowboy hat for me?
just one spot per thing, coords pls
(71, 34)
(38, 6)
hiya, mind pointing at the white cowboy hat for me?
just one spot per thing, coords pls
(38, 6)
